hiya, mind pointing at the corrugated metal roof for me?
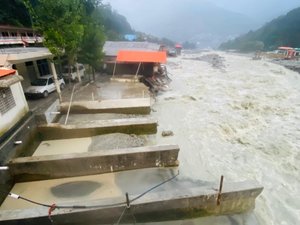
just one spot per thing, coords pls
(111, 48)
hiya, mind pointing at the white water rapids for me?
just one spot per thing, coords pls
(242, 122)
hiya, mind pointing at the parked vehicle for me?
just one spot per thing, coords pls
(43, 86)
(72, 75)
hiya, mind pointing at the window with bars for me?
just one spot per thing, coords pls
(7, 101)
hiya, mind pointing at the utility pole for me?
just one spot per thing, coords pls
(56, 81)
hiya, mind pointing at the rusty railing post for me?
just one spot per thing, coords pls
(220, 191)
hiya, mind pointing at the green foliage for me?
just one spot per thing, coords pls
(13, 12)
(93, 39)
(71, 28)
(283, 31)
(60, 24)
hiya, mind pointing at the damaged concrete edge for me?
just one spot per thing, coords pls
(49, 115)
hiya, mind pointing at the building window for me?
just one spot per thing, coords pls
(43, 67)
(30, 63)
(7, 101)
(5, 34)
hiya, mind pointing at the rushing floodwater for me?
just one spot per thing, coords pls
(242, 121)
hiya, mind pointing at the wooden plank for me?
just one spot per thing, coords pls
(128, 126)
(89, 163)
(123, 106)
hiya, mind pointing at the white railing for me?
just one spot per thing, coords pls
(20, 40)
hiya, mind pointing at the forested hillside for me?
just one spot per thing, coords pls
(14, 13)
(283, 31)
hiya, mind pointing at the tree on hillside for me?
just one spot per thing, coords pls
(92, 43)
(60, 24)
(115, 25)
(13, 12)
(70, 28)
(283, 31)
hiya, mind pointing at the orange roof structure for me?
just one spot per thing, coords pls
(6, 72)
(285, 48)
(142, 56)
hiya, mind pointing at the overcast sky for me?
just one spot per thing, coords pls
(261, 10)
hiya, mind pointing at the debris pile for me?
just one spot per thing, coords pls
(289, 64)
(116, 141)
(215, 60)
(159, 80)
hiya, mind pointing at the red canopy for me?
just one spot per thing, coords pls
(141, 56)
(6, 72)
(178, 46)
(285, 48)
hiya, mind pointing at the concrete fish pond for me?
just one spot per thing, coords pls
(97, 162)
(101, 199)
(128, 126)
(126, 106)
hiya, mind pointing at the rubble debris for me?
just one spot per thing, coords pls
(216, 61)
(289, 64)
(115, 141)
(167, 133)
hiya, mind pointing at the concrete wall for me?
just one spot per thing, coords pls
(10, 118)
(22, 70)
(127, 126)
(26, 132)
(89, 163)
(126, 106)
(175, 203)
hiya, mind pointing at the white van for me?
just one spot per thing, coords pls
(73, 73)
(43, 86)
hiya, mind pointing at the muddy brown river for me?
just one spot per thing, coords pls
(239, 118)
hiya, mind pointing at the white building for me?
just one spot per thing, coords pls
(31, 62)
(18, 36)
(13, 105)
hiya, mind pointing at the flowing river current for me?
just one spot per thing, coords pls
(240, 118)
